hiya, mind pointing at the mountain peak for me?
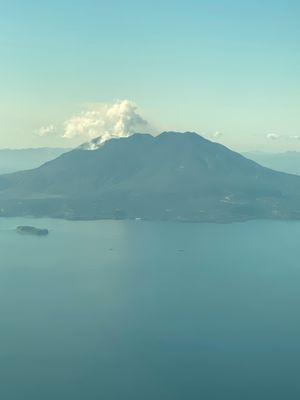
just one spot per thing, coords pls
(180, 134)
(98, 142)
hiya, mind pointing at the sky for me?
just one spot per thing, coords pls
(228, 69)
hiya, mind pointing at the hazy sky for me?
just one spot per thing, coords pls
(226, 66)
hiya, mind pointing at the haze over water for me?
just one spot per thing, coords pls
(143, 310)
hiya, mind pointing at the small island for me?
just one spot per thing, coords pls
(31, 230)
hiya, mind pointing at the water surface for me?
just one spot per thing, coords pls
(141, 311)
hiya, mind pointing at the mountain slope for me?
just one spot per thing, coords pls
(174, 176)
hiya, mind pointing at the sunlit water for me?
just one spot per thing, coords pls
(119, 310)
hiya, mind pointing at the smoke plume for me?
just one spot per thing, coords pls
(105, 121)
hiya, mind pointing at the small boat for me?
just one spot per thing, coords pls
(31, 230)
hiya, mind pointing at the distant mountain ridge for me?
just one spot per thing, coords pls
(288, 161)
(173, 176)
(12, 160)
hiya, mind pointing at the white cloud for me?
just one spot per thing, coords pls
(217, 134)
(296, 137)
(105, 121)
(46, 130)
(273, 136)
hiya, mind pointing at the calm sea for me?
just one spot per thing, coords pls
(120, 310)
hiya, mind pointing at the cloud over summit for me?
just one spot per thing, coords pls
(101, 122)
(119, 119)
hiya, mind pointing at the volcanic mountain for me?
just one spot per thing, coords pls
(173, 176)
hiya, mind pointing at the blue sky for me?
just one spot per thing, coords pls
(207, 66)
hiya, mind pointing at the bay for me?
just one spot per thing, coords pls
(149, 310)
